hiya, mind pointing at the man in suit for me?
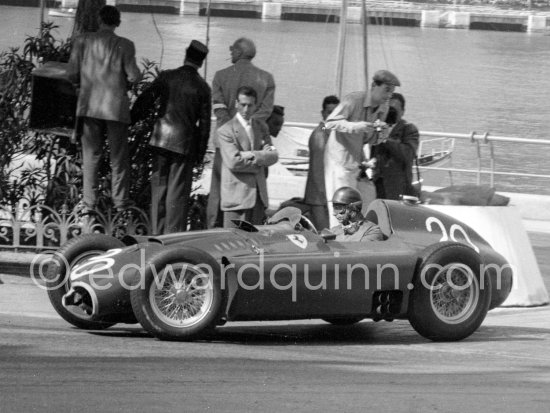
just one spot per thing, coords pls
(103, 65)
(395, 155)
(179, 138)
(225, 84)
(246, 150)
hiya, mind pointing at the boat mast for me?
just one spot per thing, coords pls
(42, 9)
(364, 22)
(207, 34)
(341, 47)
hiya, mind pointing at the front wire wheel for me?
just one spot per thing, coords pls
(181, 296)
(183, 301)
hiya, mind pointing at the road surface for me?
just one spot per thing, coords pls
(46, 365)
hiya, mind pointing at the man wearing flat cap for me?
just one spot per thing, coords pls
(359, 119)
(179, 138)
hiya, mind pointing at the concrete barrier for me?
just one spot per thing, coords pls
(536, 24)
(430, 18)
(272, 11)
(354, 15)
(190, 7)
(458, 20)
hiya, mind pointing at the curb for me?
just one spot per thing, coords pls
(20, 263)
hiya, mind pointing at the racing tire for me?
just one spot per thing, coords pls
(70, 254)
(449, 299)
(177, 299)
(343, 321)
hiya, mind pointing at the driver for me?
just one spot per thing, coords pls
(347, 203)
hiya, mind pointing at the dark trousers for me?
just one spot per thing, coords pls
(254, 215)
(93, 135)
(214, 215)
(171, 183)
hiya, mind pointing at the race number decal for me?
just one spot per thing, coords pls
(451, 235)
(95, 264)
(298, 240)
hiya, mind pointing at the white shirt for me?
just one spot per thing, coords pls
(248, 128)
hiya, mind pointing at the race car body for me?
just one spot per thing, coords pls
(431, 269)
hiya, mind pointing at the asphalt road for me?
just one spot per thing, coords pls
(46, 365)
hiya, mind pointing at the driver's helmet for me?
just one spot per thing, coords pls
(347, 195)
(346, 203)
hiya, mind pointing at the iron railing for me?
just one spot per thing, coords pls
(478, 139)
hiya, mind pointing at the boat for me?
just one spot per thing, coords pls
(433, 152)
(292, 144)
(66, 13)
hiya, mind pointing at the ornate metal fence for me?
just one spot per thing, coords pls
(39, 227)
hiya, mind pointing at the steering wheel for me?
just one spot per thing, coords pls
(307, 224)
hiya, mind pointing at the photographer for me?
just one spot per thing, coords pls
(393, 157)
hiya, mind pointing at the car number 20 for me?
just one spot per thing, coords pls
(451, 234)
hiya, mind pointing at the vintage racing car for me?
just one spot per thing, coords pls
(431, 269)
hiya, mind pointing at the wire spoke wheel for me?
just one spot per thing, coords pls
(451, 295)
(181, 296)
(454, 293)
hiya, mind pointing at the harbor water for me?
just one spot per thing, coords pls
(454, 80)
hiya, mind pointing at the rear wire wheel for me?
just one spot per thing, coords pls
(450, 298)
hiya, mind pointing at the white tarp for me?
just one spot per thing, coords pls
(503, 229)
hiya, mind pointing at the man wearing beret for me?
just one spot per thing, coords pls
(359, 119)
(179, 138)
(225, 84)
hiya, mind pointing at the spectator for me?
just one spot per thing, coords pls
(357, 120)
(224, 95)
(395, 155)
(315, 196)
(102, 64)
(245, 147)
(179, 138)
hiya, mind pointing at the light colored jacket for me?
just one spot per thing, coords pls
(347, 145)
(103, 64)
(227, 81)
(243, 164)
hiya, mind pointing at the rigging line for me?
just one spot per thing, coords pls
(381, 39)
(208, 5)
(428, 77)
(160, 37)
